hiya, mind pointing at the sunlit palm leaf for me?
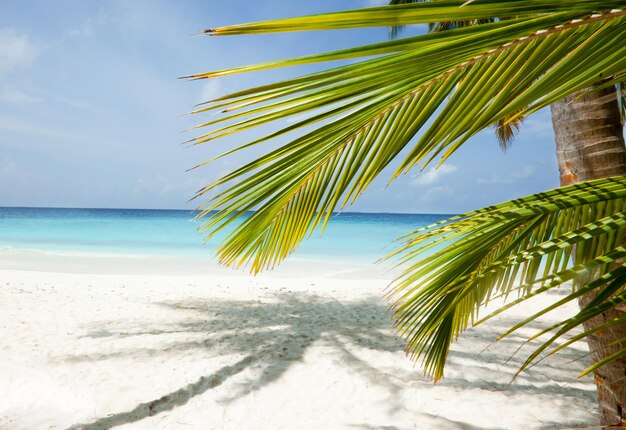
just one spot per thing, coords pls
(521, 246)
(505, 130)
(416, 13)
(466, 79)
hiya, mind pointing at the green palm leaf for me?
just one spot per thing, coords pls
(443, 87)
(403, 14)
(466, 79)
(525, 242)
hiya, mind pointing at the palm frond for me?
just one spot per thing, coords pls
(467, 79)
(506, 129)
(415, 13)
(523, 246)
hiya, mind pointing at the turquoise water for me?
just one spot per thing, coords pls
(349, 236)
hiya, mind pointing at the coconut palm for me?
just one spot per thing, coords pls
(448, 85)
(589, 143)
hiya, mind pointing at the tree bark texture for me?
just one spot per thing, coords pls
(590, 145)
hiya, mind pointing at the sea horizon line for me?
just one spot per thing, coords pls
(196, 210)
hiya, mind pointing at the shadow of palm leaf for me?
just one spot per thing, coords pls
(265, 338)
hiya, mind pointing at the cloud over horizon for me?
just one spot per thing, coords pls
(433, 175)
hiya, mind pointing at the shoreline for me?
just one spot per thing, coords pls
(109, 263)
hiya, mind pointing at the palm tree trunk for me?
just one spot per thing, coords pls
(590, 145)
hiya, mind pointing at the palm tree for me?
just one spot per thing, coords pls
(589, 145)
(463, 80)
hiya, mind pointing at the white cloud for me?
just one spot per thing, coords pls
(16, 50)
(435, 194)
(92, 25)
(433, 175)
(85, 29)
(538, 126)
(74, 103)
(137, 18)
(34, 129)
(13, 95)
(8, 167)
(11, 172)
(511, 178)
(160, 185)
(210, 90)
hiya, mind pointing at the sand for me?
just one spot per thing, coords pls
(100, 344)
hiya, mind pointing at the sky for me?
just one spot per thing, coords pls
(92, 112)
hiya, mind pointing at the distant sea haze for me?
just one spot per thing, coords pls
(348, 236)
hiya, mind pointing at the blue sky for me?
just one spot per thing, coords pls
(90, 108)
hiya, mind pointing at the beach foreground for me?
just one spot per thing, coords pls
(144, 351)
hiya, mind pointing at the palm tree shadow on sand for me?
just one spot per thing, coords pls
(271, 337)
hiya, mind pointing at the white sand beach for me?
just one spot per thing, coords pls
(151, 346)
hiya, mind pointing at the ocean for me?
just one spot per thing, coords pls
(349, 236)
